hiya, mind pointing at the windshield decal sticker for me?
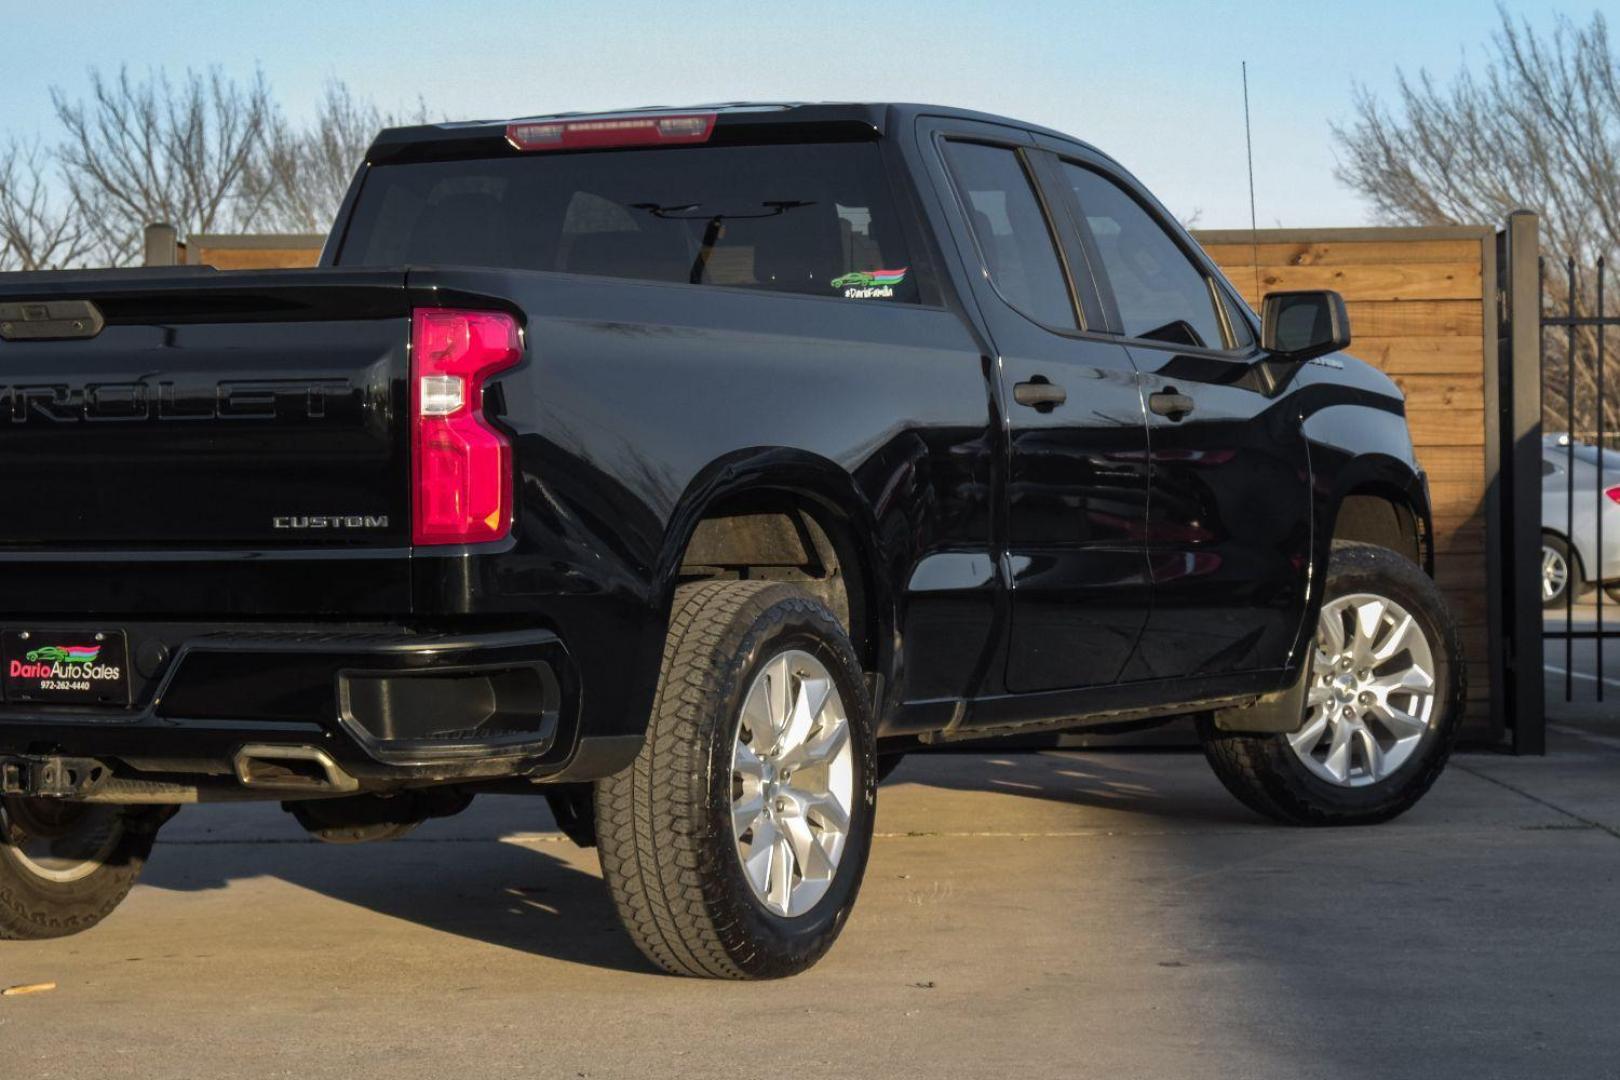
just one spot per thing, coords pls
(869, 284)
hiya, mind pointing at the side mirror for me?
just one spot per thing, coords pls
(1304, 325)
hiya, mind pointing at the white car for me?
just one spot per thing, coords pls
(1570, 528)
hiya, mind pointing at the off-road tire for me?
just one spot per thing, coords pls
(1266, 775)
(663, 826)
(34, 906)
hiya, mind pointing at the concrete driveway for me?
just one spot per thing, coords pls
(1030, 915)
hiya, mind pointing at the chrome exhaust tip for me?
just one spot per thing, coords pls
(291, 768)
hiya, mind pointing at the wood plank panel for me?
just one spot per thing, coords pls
(1453, 464)
(1443, 391)
(1357, 253)
(1425, 318)
(1458, 536)
(224, 258)
(1460, 572)
(1464, 499)
(1446, 427)
(1442, 281)
(1467, 605)
(1419, 355)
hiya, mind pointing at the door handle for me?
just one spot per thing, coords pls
(1040, 394)
(1170, 404)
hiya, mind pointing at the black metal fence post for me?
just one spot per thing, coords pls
(1513, 499)
(1597, 495)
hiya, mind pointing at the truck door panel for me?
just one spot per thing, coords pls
(1228, 533)
(1229, 509)
(1076, 491)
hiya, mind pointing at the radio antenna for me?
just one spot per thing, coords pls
(1254, 228)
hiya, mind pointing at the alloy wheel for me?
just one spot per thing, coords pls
(1554, 574)
(1372, 691)
(792, 783)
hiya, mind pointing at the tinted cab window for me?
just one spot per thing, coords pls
(1011, 231)
(1161, 295)
(814, 219)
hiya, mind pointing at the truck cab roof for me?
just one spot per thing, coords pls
(740, 121)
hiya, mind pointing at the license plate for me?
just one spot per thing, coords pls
(66, 667)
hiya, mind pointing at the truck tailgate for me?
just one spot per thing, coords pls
(226, 443)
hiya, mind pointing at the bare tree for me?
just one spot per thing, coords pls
(39, 228)
(151, 150)
(1538, 127)
(300, 174)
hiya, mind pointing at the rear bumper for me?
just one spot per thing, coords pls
(382, 708)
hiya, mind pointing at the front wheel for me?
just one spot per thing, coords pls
(65, 866)
(1384, 701)
(735, 844)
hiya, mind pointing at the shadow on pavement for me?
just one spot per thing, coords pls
(467, 875)
(1135, 782)
(445, 877)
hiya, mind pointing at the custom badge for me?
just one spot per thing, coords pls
(869, 284)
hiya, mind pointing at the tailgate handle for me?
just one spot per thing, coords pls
(50, 320)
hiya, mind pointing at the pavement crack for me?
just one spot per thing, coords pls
(1554, 807)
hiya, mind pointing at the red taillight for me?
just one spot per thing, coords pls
(603, 131)
(1613, 493)
(461, 465)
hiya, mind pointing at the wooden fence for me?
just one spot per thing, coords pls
(260, 252)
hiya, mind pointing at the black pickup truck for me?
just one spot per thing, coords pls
(688, 467)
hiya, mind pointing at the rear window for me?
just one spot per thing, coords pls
(815, 219)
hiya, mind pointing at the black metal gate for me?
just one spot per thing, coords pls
(1580, 498)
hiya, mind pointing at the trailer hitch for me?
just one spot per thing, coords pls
(51, 777)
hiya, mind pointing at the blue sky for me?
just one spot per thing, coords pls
(1154, 83)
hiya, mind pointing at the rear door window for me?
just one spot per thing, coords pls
(1012, 231)
(803, 218)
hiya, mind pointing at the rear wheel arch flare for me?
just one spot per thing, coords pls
(806, 506)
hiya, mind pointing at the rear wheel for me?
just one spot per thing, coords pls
(64, 866)
(734, 846)
(1385, 692)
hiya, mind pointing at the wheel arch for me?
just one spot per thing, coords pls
(1574, 550)
(1387, 500)
(773, 481)
(1380, 499)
